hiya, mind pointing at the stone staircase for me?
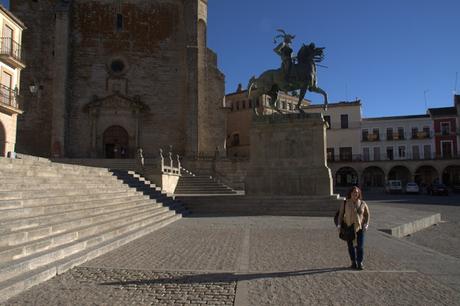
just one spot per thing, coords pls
(136, 181)
(200, 185)
(55, 216)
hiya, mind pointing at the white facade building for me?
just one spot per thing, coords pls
(397, 138)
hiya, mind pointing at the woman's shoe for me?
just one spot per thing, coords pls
(353, 265)
(360, 266)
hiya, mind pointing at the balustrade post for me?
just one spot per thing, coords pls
(162, 161)
(170, 160)
(178, 163)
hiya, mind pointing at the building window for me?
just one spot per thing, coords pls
(231, 106)
(415, 152)
(346, 154)
(344, 121)
(376, 133)
(119, 22)
(389, 133)
(235, 139)
(365, 135)
(250, 103)
(237, 105)
(376, 153)
(445, 128)
(290, 106)
(328, 120)
(400, 133)
(390, 155)
(402, 152)
(330, 154)
(257, 103)
(414, 132)
(366, 154)
(427, 151)
(426, 130)
(446, 149)
(284, 104)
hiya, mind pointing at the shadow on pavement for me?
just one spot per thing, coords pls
(221, 277)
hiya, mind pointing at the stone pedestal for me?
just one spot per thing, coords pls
(288, 156)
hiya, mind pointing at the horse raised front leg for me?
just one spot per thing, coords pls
(302, 93)
(320, 91)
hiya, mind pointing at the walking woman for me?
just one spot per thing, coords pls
(355, 212)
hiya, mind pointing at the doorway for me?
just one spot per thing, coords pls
(116, 142)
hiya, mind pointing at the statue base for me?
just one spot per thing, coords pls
(288, 156)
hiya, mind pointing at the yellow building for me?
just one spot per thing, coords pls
(11, 64)
(239, 117)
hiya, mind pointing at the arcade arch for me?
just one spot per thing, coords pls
(451, 175)
(373, 177)
(425, 175)
(346, 176)
(399, 173)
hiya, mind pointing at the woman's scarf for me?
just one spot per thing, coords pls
(354, 214)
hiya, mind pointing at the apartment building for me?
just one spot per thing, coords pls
(11, 64)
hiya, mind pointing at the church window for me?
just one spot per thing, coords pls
(117, 66)
(119, 22)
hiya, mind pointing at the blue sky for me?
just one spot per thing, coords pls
(390, 54)
(397, 56)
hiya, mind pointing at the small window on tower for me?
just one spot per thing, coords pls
(119, 22)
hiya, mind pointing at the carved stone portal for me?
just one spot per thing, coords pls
(115, 125)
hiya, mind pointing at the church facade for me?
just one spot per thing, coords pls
(114, 75)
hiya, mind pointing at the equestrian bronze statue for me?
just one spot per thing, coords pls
(295, 74)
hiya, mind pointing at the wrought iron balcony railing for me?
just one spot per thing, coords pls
(8, 96)
(11, 51)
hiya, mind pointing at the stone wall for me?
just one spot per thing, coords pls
(147, 53)
(38, 46)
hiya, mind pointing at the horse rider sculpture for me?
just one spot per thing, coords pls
(284, 50)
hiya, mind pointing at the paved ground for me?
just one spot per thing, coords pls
(270, 261)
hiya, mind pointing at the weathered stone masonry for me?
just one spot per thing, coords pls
(116, 75)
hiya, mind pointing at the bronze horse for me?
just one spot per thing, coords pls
(302, 77)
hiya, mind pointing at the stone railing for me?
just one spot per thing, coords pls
(167, 167)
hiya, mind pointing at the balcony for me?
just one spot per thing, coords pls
(11, 53)
(8, 100)
(421, 135)
(384, 157)
(371, 137)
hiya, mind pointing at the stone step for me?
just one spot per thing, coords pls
(34, 211)
(36, 275)
(33, 202)
(54, 179)
(29, 222)
(55, 168)
(252, 205)
(44, 238)
(64, 184)
(180, 193)
(22, 164)
(29, 194)
(85, 237)
(202, 188)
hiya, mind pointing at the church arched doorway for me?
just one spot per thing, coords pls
(116, 142)
(2, 140)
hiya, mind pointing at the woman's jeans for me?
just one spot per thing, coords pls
(356, 253)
